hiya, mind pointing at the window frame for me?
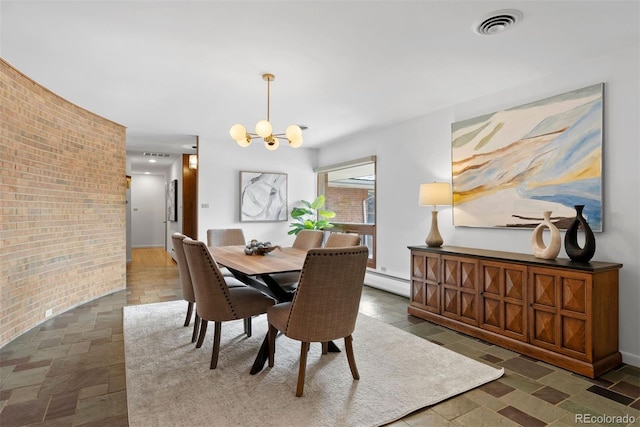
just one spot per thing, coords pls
(359, 228)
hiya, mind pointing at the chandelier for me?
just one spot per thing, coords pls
(264, 129)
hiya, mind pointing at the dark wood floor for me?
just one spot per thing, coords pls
(70, 370)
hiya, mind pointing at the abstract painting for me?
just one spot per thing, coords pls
(510, 166)
(263, 196)
(172, 201)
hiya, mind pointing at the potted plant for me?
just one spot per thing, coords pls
(311, 216)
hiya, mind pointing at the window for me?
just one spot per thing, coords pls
(350, 191)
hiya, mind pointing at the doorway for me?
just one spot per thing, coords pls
(148, 218)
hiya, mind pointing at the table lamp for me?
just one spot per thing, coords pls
(434, 194)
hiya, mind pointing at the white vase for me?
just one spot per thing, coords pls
(540, 250)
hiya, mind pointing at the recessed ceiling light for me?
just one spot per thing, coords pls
(497, 22)
(147, 173)
(152, 160)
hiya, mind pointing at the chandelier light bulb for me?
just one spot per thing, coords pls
(264, 128)
(238, 132)
(272, 143)
(295, 143)
(244, 142)
(293, 132)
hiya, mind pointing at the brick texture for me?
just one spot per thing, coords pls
(62, 204)
(347, 203)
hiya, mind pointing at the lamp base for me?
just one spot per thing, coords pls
(434, 239)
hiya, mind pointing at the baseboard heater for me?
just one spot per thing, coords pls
(387, 282)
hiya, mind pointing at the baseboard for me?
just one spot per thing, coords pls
(385, 282)
(630, 358)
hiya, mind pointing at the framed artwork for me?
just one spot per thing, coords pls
(263, 196)
(172, 201)
(510, 166)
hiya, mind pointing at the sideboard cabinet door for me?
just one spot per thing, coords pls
(460, 288)
(560, 311)
(425, 281)
(503, 298)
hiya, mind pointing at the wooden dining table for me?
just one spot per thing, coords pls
(257, 271)
(247, 268)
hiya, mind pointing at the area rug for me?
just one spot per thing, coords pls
(169, 382)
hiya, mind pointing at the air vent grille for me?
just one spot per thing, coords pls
(497, 22)
(146, 153)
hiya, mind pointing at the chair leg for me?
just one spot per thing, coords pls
(303, 367)
(325, 347)
(272, 344)
(196, 328)
(203, 332)
(189, 311)
(216, 345)
(247, 326)
(352, 361)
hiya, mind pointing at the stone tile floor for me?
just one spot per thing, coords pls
(70, 371)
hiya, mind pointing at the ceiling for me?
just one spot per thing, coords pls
(171, 70)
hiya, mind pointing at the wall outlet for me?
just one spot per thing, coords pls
(205, 206)
(48, 313)
(383, 269)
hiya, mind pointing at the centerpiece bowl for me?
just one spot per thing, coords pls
(254, 247)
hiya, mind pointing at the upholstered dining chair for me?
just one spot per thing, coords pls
(187, 288)
(308, 239)
(185, 282)
(341, 240)
(215, 301)
(325, 305)
(225, 237)
(305, 239)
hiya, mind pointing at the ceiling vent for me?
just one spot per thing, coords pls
(497, 22)
(146, 153)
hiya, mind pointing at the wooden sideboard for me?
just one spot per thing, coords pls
(559, 311)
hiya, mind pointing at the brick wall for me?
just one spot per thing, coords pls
(62, 204)
(346, 202)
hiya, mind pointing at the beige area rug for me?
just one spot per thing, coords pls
(169, 382)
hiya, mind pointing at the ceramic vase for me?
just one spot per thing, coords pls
(574, 251)
(540, 250)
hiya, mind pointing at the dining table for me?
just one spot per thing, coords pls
(249, 268)
(257, 271)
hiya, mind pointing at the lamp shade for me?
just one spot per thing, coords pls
(435, 193)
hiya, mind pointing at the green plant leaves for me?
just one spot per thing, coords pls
(311, 217)
(326, 214)
(318, 202)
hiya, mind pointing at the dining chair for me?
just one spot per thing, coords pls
(187, 288)
(215, 301)
(225, 237)
(325, 305)
(341, 240)
(185, 282)
(308, 239)
(305, 239)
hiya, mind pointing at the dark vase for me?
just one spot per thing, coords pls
(575, 252)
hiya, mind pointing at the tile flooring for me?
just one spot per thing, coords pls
(70, 371)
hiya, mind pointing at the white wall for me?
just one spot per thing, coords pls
(419, 150)
(221, 161)
(147, 210)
